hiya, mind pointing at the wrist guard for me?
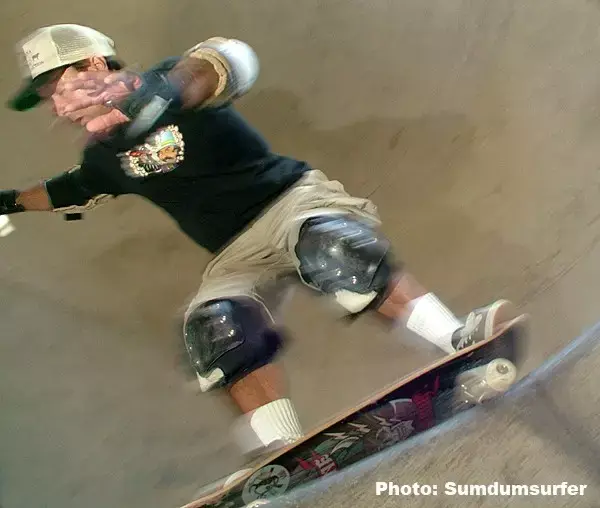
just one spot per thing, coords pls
(145, 105)
(8, 202)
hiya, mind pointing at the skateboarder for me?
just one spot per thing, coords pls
(172, 136)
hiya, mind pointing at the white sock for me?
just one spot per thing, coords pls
(275, 421)
(432, 320)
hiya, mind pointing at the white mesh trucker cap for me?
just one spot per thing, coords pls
(51, 47)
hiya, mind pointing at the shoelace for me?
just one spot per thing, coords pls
(466, 333)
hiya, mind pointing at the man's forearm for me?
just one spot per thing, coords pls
(216, 68)
(196, 79)
(32, 199)
(233, 65)
(213, 72)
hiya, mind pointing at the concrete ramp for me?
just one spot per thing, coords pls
(545, 431)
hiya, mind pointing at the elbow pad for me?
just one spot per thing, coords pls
(235, 61)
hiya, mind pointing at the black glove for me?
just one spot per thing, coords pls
(8, 202)
(145, 105)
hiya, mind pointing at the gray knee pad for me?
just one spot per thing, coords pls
(227, 339)
(346, 258)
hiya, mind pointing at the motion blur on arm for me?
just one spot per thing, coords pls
(212, 73)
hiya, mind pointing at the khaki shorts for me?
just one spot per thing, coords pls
(256, 262)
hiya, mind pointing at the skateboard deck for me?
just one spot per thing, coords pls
(413, 404)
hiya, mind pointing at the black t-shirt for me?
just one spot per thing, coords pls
(207, 168)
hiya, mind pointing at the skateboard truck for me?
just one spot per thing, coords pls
(479, 384)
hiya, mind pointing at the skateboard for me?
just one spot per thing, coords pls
(404, 409)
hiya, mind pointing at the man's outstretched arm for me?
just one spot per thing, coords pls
(69, 192)
(32, 199)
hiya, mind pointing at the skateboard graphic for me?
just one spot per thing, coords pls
(418, 402)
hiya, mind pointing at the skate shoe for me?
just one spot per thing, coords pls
(482, 323)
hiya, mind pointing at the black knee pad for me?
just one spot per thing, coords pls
(226, 339)
(345, 257)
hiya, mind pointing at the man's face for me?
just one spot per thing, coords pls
(59, 102)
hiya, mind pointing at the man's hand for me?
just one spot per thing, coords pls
(6, 227)
(189, 84)
(99, 88)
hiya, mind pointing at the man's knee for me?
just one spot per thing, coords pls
(226, 339)
(344, 257)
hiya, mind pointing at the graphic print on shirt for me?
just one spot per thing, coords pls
(162, 152)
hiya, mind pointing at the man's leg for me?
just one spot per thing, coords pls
(424, 314)
(232, 343)
(340, 255)
(259, 388)
(269, 420)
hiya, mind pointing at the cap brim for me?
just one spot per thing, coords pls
(26, 98)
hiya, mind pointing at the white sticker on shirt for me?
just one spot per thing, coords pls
(161, 153)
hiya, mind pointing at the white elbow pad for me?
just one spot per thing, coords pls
(239, 60)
